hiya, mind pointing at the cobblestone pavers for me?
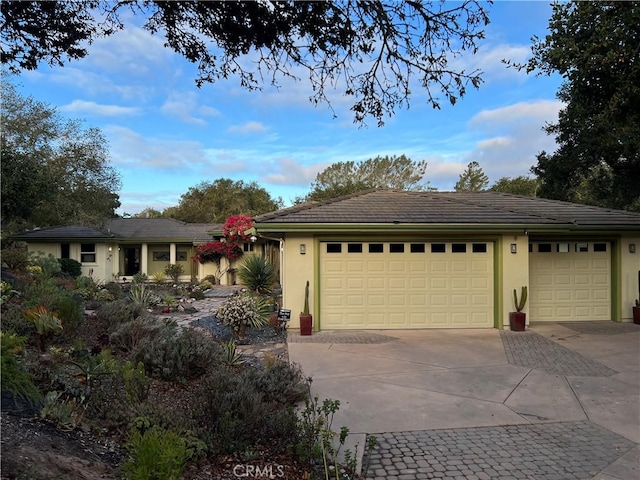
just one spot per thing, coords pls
(351, 336)
(602, 328)
(553, 451)
(532, 350)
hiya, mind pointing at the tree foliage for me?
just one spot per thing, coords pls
(521, 185)
(54, 171)
(595, 47)
(473, 179)
(214, 202)
(344, 178)
(374, 52)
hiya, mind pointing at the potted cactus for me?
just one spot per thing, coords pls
(518, 319)
(306, 319)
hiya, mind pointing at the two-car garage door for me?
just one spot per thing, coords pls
(393, 285)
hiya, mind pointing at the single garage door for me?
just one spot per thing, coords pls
(385, 285)
(569, 281)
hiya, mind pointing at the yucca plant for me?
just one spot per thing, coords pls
(257, 273)
(231, 356)
(139, 294)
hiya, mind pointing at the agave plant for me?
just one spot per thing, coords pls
(256, 273)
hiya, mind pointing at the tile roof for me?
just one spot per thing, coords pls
(394, 206)
(128, 228)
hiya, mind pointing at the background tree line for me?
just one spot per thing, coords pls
(57, 171)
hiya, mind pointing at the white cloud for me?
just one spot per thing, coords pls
(287, 171)
(488, 60)
(93, 108)
(513, 137)
(248, 128)
(132, 150)
(185, 107)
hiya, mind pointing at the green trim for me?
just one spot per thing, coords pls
(616, 280)
(498, 283)
(316, 285)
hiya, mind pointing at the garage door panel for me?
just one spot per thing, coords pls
(570, 285)
(439, 283)
(410, 289)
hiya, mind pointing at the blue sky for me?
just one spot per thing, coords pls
(166, 135)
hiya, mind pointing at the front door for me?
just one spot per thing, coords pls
(131, 260)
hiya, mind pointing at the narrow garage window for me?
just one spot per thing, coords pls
(354, 248)
(563, 247)
(582, 247)
(334, 248)
(544, 248)
(438, 248)
(479, 248)
(396, 248)
(417, 248)
(376, 248)
(599, 247)
(458, 248)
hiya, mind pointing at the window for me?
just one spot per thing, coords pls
(246, 247)
(65, 250)
(438, 248)
(479, 248)
(376, 248)
(354, 248)
(396, 248)
(88, 253)
(161, 256)
(582, 247)
(334, 248)
(599, 247)
(563, 247)
(181, 255)
(417, 248)
(458, 247)
(544, 248)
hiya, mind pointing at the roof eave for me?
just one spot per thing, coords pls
(439, 228)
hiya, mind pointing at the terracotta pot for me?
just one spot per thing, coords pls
(306, 324)
(636, 315)
(517, 321)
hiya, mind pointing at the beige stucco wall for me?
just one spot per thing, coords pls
(296, 270)
(629, 266)
(515, 273)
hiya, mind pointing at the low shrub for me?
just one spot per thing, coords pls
(71, 267)
(114, 289)
(253, 406)
(14, 321)
(130, 336)
(140, 278)
(113, 314)
(15, 379)
(136, 383)
(281, 383)
(15, 258)
(243, 311)
(48, 263)
(174, 270)
(196, 294)
(70, 313)
(177, 356)
(43, 291)
(205, 285)
(155, 454)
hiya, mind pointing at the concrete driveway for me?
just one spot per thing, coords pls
(558, 401)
